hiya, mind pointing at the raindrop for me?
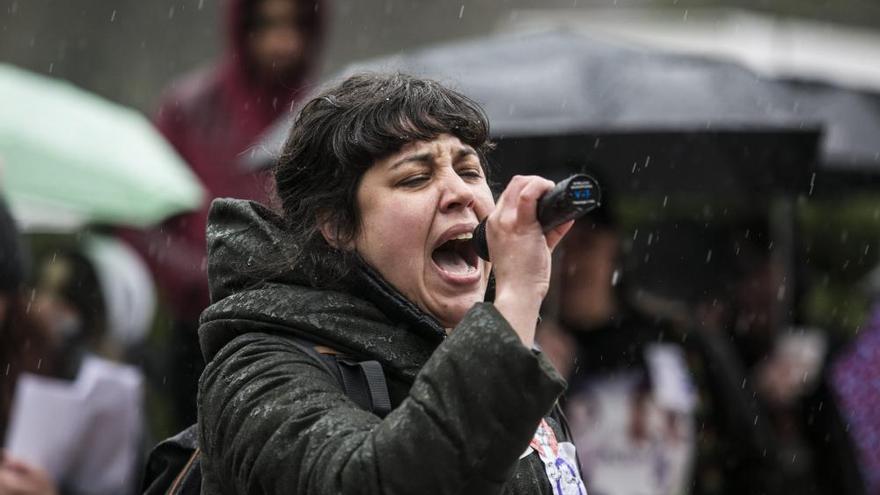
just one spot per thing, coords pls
(113, 16)
(647, 161)
(812, 183)
(743, 386)
(709, 256)
(665, 201)
(685, 18)
(202, 4)
(615, 278)
(27, 310)
(635, 164)
(39, 363)
(171, 12)
(51, 67)
(461, 12)
(867, 247)
(7, 369)
(650, 238)
(780, 292)
(635, 234)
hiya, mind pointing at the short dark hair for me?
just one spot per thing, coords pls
(340, 134)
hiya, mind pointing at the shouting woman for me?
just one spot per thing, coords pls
(381, 184)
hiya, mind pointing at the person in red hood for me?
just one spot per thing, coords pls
(211, 117)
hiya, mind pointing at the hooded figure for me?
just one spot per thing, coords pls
(211, 117)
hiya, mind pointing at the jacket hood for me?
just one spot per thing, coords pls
(261, 101)
(254, 290)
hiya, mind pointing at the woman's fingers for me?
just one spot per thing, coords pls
(527, 204)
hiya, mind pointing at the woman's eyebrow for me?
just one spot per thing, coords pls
(426, 157)
(464, 153)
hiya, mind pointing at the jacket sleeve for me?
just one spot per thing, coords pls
(273, 421)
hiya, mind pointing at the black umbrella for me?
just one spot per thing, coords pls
(851, 141)
(657, 122)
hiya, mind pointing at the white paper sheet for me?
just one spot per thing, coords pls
(85, 433)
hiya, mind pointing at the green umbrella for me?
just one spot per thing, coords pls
(69, 157)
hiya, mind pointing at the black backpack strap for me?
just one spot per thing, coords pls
(362, 381)
(372, 371)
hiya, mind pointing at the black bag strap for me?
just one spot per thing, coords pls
(362, 381)
(378, 387)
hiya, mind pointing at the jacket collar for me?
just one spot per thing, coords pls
(252, 293)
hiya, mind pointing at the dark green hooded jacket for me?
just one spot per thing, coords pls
(273, 421)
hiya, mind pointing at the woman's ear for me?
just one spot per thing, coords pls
(330, 231)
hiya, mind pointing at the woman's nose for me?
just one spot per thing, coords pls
(456, 193)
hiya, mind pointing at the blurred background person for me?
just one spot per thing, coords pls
(654, 405)
(211, 117)
(855, 380)
(789, 367)
(24, 348)
(68, 327)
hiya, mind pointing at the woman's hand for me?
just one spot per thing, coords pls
(20, 478)
(520, 253)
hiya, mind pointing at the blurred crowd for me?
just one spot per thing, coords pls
(709, 391)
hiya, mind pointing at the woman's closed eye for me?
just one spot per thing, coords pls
(414, 180)
(471, 173)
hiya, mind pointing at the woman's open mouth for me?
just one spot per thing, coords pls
(457, 260)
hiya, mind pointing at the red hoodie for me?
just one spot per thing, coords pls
(211, 117)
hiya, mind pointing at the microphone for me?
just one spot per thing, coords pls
(572, 198)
